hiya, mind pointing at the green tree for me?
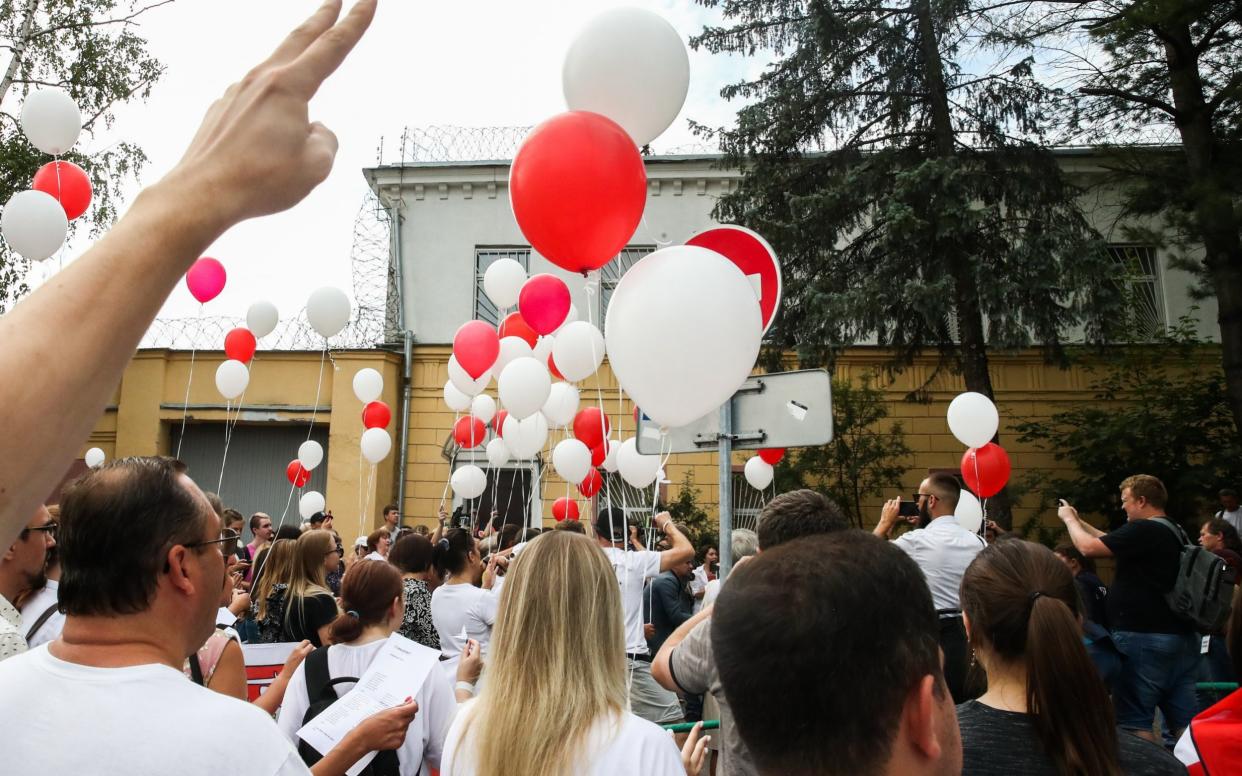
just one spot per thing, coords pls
(867, 455)
(897, 169)
(93, 50)
(1154, 410)
(685, 510)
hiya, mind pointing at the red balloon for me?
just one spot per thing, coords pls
(985, 469)
(68, 183)
(578, 188)
(565, 508)
(544, 303)
(498, 420)
(296, 475)
(591, 485)
(772, 455)
(376, 415)
(515, 326)
(239, 345)
(476, 347)
(552, 368)
(469, 431)
(591, 426)
(599, 453)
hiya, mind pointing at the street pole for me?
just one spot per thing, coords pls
(725, 447)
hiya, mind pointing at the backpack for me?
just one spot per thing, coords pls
(321, 692)
(1203, 592)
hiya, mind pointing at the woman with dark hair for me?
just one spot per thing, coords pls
(1045, 710)
(371, 597)
(460, 609)
(412, 557)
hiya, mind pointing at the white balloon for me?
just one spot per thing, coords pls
(497, 452)
(483, 407)
(543, 348)
(759, 473)
(525, 438)
(232, 377)
(464, 382)
(523, 387)
(973, 419)
(327, 309)
(610, 458)
(310, 454)
(94, 457)
(579, 351)
(511, 348)
(310, 503)
(51, 120)
(34, 224)
(455, 399)
(376, 444)
(562, 405)
(631, 66)
(368, 385)
(683, 331)
(503, 282)
(469, 481)
(572, 460)
(637, 469)
(262, 318)
(969, 512)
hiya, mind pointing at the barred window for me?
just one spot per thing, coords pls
(610, 274)
(1139, 278)
(484, 310)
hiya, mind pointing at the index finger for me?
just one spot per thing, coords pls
(306, 33)
(326, 53)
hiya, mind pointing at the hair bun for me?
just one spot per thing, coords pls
(353, 613)
(444, 545)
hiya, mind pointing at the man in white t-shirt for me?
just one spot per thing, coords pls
(633, 568)
(1230, 511)
(113, 681)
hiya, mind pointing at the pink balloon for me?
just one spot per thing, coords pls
(206, 279)
(544, 303)
(476, 347)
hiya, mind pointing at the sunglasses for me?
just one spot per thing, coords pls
(50, 528)
(226, 535)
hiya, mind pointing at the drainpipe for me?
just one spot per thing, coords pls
(407, 345)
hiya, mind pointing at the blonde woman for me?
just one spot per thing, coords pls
(274, 566)
(310, 607)
(562, 607)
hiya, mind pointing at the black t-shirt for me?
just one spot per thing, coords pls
(307, 615)
(1005, 743)
(1094, 597)
(1148, 555)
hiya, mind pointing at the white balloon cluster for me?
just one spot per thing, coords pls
(974, 420)
(34, 223)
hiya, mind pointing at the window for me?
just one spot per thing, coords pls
(635, 502)
(747, 502)
(610, 274)
(1139, 278)
(484, 310)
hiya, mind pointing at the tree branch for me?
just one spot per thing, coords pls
(87, 124)
(1228, 91)
(1121, 94)
(1206, 41)
(75, 25)
(19, 48)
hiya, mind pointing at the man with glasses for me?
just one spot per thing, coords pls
(20, 570)
(942, 549)
(143, 567)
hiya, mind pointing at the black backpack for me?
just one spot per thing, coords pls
(321, 692)
(1203, 592)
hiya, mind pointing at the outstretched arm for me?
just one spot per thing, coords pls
(256, 153)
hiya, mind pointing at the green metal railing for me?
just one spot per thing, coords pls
(686, 727)
(1217, 686)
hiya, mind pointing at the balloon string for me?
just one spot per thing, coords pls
(318, 387)
(361, 492)
(288, 501)
(452, 461)
(185, 405)
(229, 427)
(225, 457)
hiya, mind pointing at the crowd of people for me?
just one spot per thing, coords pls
(827, 649)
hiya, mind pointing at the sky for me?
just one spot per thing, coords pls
(486, 63)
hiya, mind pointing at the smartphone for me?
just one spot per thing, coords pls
(908, 509)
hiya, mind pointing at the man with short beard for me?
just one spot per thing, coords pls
(943, 550)
(21, 569)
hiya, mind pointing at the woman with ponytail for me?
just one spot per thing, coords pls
(1045, 711)
(555, 703)
(461, 610)
(372, 599)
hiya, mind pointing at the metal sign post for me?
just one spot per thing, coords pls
(782, 409)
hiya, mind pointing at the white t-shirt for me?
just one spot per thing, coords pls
(458, 607)
(633, 569)
(375, 556)
(34, 608)
(615, 747)
(710, 593)
(68, 718)
(424, 739)
(1233, 517)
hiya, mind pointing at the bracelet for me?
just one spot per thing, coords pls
(463, 685)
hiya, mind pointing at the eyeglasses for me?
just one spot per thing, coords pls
(50, 528)
(918, 496)
(226, 535)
